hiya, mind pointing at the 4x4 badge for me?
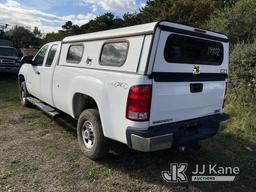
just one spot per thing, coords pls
(196, 69)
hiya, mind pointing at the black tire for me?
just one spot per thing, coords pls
(24, 94)
(96, 146)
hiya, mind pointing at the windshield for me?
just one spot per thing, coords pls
(9, 52)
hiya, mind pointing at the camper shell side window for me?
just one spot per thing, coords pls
(75, 53)
(114, 53)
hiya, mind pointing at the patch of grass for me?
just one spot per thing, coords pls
(134, 189)
(107, 173)
(242, 124)
(23, 167)
(4, 174)
(90, 174)
(93, 173)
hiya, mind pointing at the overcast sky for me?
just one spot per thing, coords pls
(50, 15)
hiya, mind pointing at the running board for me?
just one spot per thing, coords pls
(44, 107)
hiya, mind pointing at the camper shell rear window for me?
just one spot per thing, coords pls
(184, 49)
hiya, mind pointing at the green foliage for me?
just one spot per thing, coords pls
(23, 38)
(243, 122)
(103, 22)
(36, 32)
(236, 18)
(185, 11)
(243, 75)
(130, 19)
(50, 37)
(68, 30)
(237, 21)
(68, 25)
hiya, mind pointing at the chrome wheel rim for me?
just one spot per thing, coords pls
(88, 134)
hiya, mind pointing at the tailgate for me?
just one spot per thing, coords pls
(189, 74)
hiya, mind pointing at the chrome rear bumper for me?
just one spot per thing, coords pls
(153, 143)
(174, 134)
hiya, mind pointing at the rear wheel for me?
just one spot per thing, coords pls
(24, 94)
(90, 135)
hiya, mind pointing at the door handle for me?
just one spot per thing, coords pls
(38, 73)
(196, 87)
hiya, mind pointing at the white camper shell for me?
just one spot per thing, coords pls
(152, 86)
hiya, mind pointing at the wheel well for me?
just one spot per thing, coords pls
(82, 102)
(21, 79)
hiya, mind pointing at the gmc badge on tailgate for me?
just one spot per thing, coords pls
(196, 69)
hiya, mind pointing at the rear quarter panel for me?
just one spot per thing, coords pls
(107, 85)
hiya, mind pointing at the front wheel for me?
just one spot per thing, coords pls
(90, 135)
(24, 95)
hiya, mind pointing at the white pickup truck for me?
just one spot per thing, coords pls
(153, 86)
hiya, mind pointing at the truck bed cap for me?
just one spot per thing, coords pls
(136, 30)
(121, 32)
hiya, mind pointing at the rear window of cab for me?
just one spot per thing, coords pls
(189, 50)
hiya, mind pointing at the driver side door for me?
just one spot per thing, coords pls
(34, 72)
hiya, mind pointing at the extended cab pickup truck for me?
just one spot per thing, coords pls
(153, 86)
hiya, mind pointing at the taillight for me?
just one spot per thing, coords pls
(138, 103)
(225, 96)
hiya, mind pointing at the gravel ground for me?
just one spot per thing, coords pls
(38, 153)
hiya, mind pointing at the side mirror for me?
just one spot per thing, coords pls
(27, 59)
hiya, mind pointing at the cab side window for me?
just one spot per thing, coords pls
(39, 59)
(51, 55)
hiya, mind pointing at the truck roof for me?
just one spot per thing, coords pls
(134, 31)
